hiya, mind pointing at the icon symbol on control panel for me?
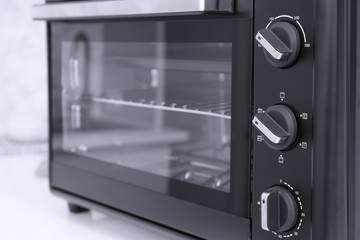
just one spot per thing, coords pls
(304, 116)
(259, 138)
(260, 110)
(282, 96)
(303, 145)
(281, 159)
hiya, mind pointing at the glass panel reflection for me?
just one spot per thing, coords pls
(162, 108)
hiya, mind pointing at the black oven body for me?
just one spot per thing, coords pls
(85, 176)
(298, 184)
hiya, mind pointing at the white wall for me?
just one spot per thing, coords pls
(23, 72)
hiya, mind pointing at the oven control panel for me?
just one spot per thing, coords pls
(282, 119)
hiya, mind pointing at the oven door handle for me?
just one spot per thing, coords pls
(128, 8)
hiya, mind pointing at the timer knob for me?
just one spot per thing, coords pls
(281, 43)
(279, 210)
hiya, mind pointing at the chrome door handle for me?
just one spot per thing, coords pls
(127, 8)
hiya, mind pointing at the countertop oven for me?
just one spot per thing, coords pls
(206, 116)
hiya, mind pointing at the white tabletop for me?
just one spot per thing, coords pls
(29, 211)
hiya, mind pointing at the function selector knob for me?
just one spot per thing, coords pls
(279, 210)
(281, 43)
(278, 127)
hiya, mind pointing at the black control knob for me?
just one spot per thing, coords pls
(279, 210)
(278, 126)
(281, 43)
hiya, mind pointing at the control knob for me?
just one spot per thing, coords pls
(279, 210)
(281, 43)
(278, 127)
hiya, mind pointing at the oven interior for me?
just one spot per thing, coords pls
(159, 107)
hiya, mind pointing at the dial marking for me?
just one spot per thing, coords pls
(281, 159)
(268, 24)
(302, 29)
(302, 214)
(300, 223)
(284, 16)
(282, 96)
(304, 116)
(296, 19)
(289, 186)
(303, 145)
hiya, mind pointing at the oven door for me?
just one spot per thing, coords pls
(152, 117)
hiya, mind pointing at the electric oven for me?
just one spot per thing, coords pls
(204, 116)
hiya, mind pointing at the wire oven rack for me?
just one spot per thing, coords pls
(222, 110)
(209, 98)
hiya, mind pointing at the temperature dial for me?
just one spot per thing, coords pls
(279, 210)
(281, 43)
(278, 126)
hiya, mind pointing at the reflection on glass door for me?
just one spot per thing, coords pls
(160, 108)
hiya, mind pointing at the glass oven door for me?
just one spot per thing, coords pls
(157, 106)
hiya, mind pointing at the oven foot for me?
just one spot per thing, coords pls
(73, 208)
